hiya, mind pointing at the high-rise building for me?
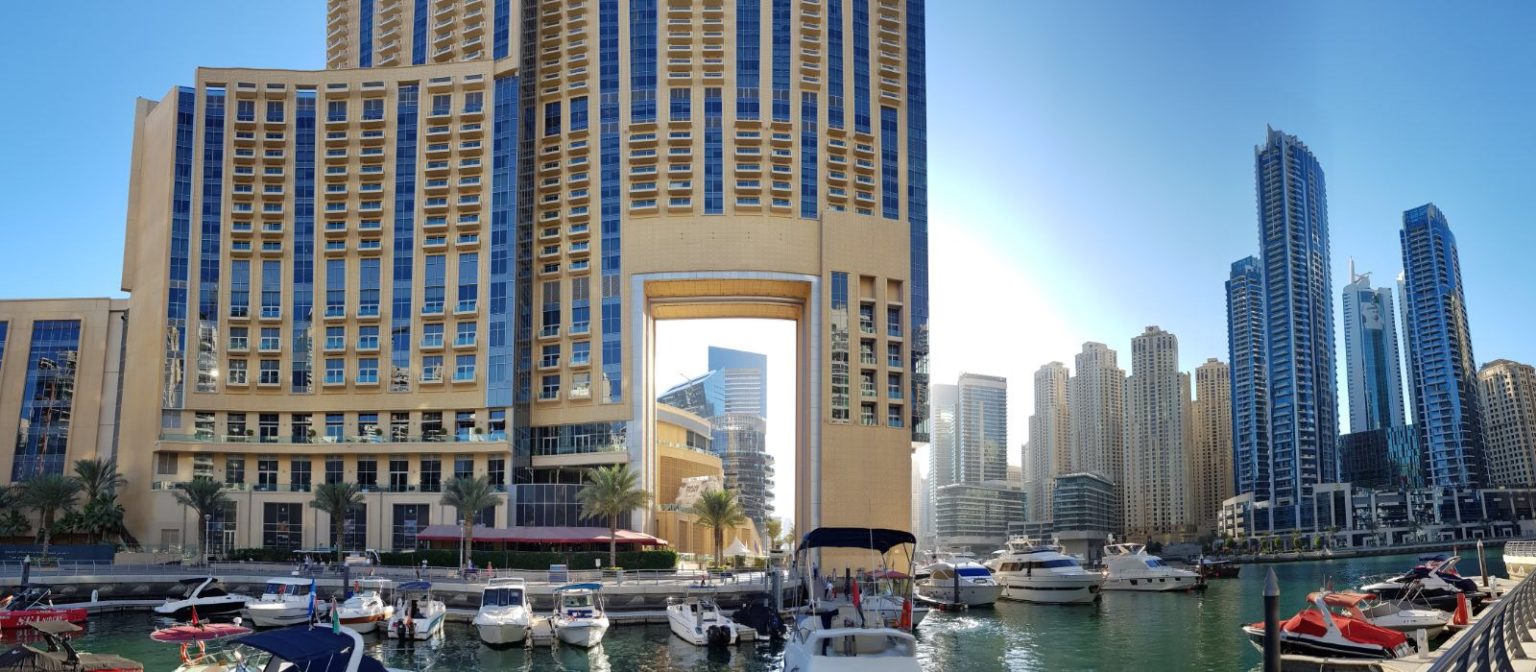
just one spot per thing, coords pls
(1371, 355)
(1296, 337)
(1157, 493)
(976, 516)
(732, 397)
(1050, 437)
(1097, 413)
(1441, 367)
(744, 379)
(1509, 422)
(1251, 459)
(448, 250)
(1381, 458)
(981, 429)
(1083, 513)
(944, 439)
(1210, 454)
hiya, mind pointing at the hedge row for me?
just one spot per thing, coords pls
(661, 559)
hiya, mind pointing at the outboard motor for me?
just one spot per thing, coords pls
(719, 635)
(762, 618)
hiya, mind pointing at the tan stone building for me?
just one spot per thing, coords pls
(1508, 391)
(1157, 394)
(1210, 462)
(686, 469)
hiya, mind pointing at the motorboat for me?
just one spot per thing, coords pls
(199, 631)
(958, 582)
(1400, 615)
(504, 615)
(1219, 569)
(1036, 572)
(285, 601)
(366, 608)
(294, 649)
(884, 592)
(34, 604)
(579, 619)
(1130, 567)
(205, 595)
(418, 615)
(58, 654)
(1432, 582)
(834, 634)
(1317, 631)
(758, 613)
(698, 620)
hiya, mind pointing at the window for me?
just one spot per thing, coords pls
(373, 109)
(235, 425)
(469, 277)
(442, 104)
(166, 464)
(368, 338)
(335, 371)
(274, 110)
(682, 104)
(893, 321)
(269, 372)
(266, 427)
(893, 355)
(551, 356)
(581, 385)
(334, 470)
(245, 110)
(432, 368)
(266, 473)
(431, 473)
(368, 474)
(893, 385)
(867, 318)
(432, 335)
(271, 288)
(465, 336)
(464, 467)
(301, 430)
(368, 371)
(336, 110)
(894, 417)
(239, 288)
(399, 474)
(474, 101)
(336, 338)
(550, 387)
(368, 287)
(867, 414)
(282, 526)
(435, 285)
(335, 287)
(714, 154)
(239, 338)
(271, 339)
(579, 114)
(234, 470)
(552, 118)
(464, 368)
(335, 426)
(299, 474)
(581, 353)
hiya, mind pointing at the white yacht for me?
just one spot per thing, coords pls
(698, 620)
(366, 608)
(418, 615)
(205, 595)
(958, 582)
(286, 601)
(1037, 572)
(1130, 567)
(504, 617)
(840, 634)
(579, 619)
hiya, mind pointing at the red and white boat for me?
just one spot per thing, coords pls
(34, 604)
(199, 631)
(1316, 631)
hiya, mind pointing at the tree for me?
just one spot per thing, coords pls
(48, 495)
(13, 523)
(775, 530)
(719, 511)
(205, 497)
(337, 500)
(610, 492)
(469, 496)
(98, 477)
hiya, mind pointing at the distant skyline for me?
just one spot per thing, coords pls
(1091, 164)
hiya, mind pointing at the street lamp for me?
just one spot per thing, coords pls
(207, 542)
(462, 541)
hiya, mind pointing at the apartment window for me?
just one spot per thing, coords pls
(266, 473)
(466, 334)
(431, 474)
(893, 321)
(551, 356)
(432, 335)
(474, 101)
(269, 372)
(464, 368)
(335, 338)
(399, 475)
(469, 276)
(239, 288)
(236, 372)
(714, 154)
(581, 385)
(432, 368)
(368, 338)
(368, 371)
(335, 371)
(867, 383)
(239, 339)
(334, 470)
(368, 287)
(335, 287)
(581, 353)
(893, 385)
(271, 288)
(373, 109)
(442, 104)
(399, 427)
(867, 414)
(463, 423)
(245, 110)
(893, 355)
(682, 104)
(301, 429)
(435, 284)
(894, 417)
(552, 118)
(368, 424)
(235, 426)
(266, 427)
(299, 474)
(274, 110)
(367, 474)
(550, 387)
(432, 425)
(579, 114)
(867, 318)
(335, 427)
(271, 339)
(234, 470)
(464, 467)
(166, 464)
(336, 110)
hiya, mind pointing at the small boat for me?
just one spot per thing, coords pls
(59, 655)
(204, 595)
(366, 608)
(504, 617)
(958, 582)
(1130, 567)
(697, 620)
(1036, 572)
(579, 619)
(1433, 582)
(1401, 615)
(885, 593)
(296, 649)
(833, 635)
(1219, 569)
(199, 631)
(758, 613)
(34, 604)
(286, 601)
(1317, 631)
(418, 616)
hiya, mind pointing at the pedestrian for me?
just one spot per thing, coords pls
(828, 591)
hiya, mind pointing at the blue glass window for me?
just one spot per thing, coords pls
(890, 175)
(373, 109)
(861, 66)
(404, 234)
(502, 28)
(271, 288)
(239, 288)
(365, 34)
(552, 118)
(303, 271)
(245, 110)
(208, 266)
(781, 60)
(608, 80)
(274, 110)
(368, 287)
(432, 304)
(498, 391)
(917, 210)
(336, 110)
(442, 105)
(682, 105)
(335, 287)
(181, 234)
(419, 18)
(47, 400)
(808, 185)
(749, 45)
(579, 114)
(834, 63)
(469, 282)
(642, 61)
(714, 154)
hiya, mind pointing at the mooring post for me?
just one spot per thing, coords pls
(1482, 563)
(1271, 622)
(777, 580)
(346, 581)
(26, 570)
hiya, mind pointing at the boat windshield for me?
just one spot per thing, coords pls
(1156, 562)
(502, 597)
(279, 588)
(576, 601)
(973, 571)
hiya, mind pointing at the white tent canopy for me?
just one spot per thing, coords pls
(736, 549)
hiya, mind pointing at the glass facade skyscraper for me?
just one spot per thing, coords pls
(1441, 367)
(1371, 356)
(1250, 392)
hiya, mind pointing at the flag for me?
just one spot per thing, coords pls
(194, 616)
(311, 614)
(335, 618)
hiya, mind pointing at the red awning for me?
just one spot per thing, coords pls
(539, 535)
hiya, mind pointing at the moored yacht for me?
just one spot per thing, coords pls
(286, 601)
(418, 615)
(504, 617)
(1037, 572)
(1433, 581)
(838, 634)
(698, 620)
(579, 619)
(204, 595)
(1318, 631)
(366, 608)
(1130, 567)
(958, 582)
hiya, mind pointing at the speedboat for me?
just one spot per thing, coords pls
(34, 604)
(958, 582)
(758, 613)
(504, 617)
(204, 595)
(1402, 615)
(837, 634)
(1130, 567)
(1433, 582)
(884, 592)
(418, 615)
(60, 655)
(698, 620)
(1036, 572)
(1317, 631)
(297, 649)
(366, 608)
(579, 619)
(286, 601)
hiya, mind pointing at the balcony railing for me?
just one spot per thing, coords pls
(463, 436)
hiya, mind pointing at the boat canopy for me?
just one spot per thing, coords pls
(311, 650)
(873, 538)
(594, 587)
(414, 587)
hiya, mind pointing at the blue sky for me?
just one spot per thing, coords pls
(1091, 162)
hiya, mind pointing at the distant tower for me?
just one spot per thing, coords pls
(1097, 411)
(1253, 468)
(1156, 491)
(1371, 355)
(1509, 422)
(1049, 437)
(1211, 451)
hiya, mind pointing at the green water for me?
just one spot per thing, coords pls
(1126, 631)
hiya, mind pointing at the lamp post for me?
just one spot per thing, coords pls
(462, 541)
(207, 542)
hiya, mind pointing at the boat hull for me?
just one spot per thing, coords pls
(1323, 647)
(364, 623)
(10, 620)
(711, 632)
(973, 595)
(1053, 590)
(182, 610)
(584, 632)
(278, 616)
(420, 629)
(1153, 584)
(502, 633)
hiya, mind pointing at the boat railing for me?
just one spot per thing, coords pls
(1498, 637)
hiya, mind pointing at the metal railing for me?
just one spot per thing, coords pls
(1497, 639)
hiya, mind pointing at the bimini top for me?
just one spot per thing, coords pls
(873, 538)
(311, 650)
(581, 586)
(414, 586)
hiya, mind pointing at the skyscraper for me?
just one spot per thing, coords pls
(1441, 367)
(1210, 455)
(982, 429)
(1298, 326)
(1371, 355)
(1509, 422)
(1251, 459)
(745, 380)
(1050, 438)
(1157, 492)
(944, 440)
(1097, 412)
(733, 398)
(975, 502)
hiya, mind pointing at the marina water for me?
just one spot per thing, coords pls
(1125, 631)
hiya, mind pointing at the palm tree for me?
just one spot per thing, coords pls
(775, 528)
(13, 523)
(719, 511)
(98, 477)
(469, 496)
(610, 492)
(337, 500)
(205, 497)
(49, 494)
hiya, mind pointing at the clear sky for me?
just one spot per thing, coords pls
(1091, 162)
